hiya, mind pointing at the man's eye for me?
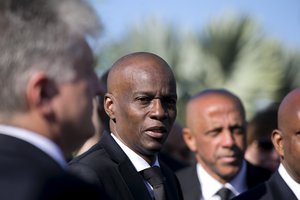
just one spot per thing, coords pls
(143, 99)
(172, 101)
(237, 130)
(214, 132)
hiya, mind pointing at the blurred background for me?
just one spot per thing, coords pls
(249, 47)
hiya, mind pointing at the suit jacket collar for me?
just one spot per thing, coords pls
(190, 183)
(172, 185)
(41, 142)
(192, 188)
(279, 188)
(19, 147)
(130, 176)
(256, 175)
(274, 188)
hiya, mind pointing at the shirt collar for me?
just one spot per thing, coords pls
(138, 162)
(37, 140)
(210, 186)
(293, 185)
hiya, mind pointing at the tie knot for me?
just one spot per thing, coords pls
(225, 193)
(153, 175)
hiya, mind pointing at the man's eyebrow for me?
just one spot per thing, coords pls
(148, 93)
(216, 128)
(236, 125)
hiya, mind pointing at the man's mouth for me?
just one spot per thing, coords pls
(156, 132)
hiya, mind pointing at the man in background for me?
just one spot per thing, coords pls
(260, 150)
(285, 182)
(216, 133)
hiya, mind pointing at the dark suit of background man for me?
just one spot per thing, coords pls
(215, 132)
(47, 86)
(141, 104)
(285, 182)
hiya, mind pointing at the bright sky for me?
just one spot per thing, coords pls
(278, 18)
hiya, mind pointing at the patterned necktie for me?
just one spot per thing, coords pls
(225, 193)
(154, 176)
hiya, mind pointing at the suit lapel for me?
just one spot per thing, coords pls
(195, 185)
(190, 184)
(172, 189)
(132, 179)
(279, 189)
(256, 175)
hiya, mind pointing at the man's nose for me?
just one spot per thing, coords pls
(158, 110)
(227, 139)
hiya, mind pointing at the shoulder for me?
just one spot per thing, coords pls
(188, 177)
(168, 173)
(258, 170)
(90, 157)
(69, 186)
(91, 164)
(256, 175)
(35, 181)
(186, 172)
(260, 192)
(274, 188)
(189, 182)
(173, 185)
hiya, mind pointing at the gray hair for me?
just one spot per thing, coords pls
(45, 35)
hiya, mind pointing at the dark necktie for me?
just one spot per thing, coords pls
(154, 176)
(225, 193)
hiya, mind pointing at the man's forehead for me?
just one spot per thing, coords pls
(289, 108)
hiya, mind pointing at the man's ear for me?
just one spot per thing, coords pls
(277, 142)
(39, 93)
(189, 139)
(109, 105)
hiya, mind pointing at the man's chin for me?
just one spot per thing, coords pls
(228, 175)
(153, 150)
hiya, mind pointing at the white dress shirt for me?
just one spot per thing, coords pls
(210, 186)
(293, 185)
(39, 141)
(138, 162)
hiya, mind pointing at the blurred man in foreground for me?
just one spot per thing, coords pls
(47, 87)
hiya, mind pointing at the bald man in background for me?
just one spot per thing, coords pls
(216, 133)
(285, 182)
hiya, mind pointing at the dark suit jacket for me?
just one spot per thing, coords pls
(190, 184)
(27, 173)
(107, 165)
(273, 189)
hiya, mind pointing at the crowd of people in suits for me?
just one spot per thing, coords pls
(64, 134)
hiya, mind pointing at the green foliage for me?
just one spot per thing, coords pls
(232, 52)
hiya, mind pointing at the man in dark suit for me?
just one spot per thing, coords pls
(284, 183)
(141, 104)
(47, 87)
(215, 132)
